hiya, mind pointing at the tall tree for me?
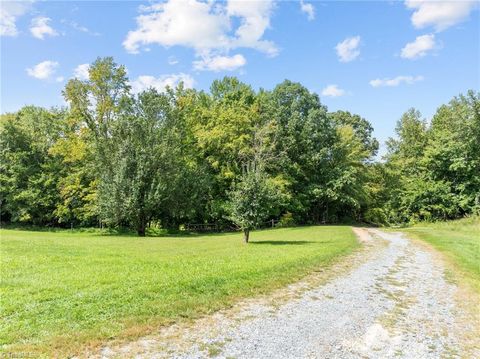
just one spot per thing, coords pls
(97, 103)
(305, 137)
(153, 177)
(28, 174)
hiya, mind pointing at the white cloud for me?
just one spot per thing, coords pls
(308, 9)
(419, 47)
(59, 79)
(9, 12)
(44, 70)
(175, 22)
(333, 91)
(255, 20)
(172, 60)
(211, 28)
(39, 27)
(392, 82)
(81, 71)
(439, 14)
(347, 50)
(145, 82)
(220, 63)
(76, 26)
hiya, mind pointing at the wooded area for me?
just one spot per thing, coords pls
(229, 156)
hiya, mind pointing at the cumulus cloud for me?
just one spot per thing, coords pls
(191, 24)
(254, 19)
(210, 28)
(333, 91)
(393, 82)
(81, 71)
(347, 50)
(39, 27)
(44, 70)
(419, 48)
(220, 63)
(145, 82)
(308, 9)
(9, 12)
(439, 14)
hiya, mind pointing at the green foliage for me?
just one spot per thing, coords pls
(165, 159)
(28, 174)
(252, 201)
(434, 171)
(154, 175)
(286, 220)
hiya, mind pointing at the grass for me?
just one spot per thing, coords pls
(459, 241)
(63, 292)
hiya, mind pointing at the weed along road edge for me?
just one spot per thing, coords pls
(389, 300)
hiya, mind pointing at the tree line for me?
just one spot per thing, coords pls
(231, 156)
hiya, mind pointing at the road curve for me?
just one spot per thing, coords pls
(397, 303)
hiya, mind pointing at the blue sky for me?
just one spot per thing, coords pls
(376, 59)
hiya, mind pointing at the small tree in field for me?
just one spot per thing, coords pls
(252, 200)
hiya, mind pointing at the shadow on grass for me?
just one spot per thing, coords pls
(282, 243)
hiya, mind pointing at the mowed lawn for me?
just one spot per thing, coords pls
(459, 241)
(62, 292)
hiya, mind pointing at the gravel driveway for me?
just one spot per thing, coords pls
(395, 302)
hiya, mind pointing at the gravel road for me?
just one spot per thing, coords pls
(395, 302)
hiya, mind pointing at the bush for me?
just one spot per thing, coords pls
(286, 220)
(376, 216)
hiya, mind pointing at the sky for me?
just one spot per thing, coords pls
(373, 58)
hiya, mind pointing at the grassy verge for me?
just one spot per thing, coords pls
(459, 241)
(61, 291)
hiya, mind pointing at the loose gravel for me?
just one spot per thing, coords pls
(396, 304)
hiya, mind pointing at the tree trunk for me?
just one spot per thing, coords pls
(141, 227)
(141, 230)
(246, 235)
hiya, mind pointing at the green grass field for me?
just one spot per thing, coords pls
(64, 291)
(459, 241)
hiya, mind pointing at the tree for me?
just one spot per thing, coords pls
(252, 200)
(255, 197)
(28, 174)
(452, 156)
(77, 185)
(96, 104)
(434, 170)
(404, 163)
(155, 176)
(348, 191)
(304, 137)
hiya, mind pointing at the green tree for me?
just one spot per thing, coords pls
(77, 185)
(452, 156)
(28, 174)
(304, 137)
(155, 177)
(434, 170)
(252, 201)
(96, 103)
